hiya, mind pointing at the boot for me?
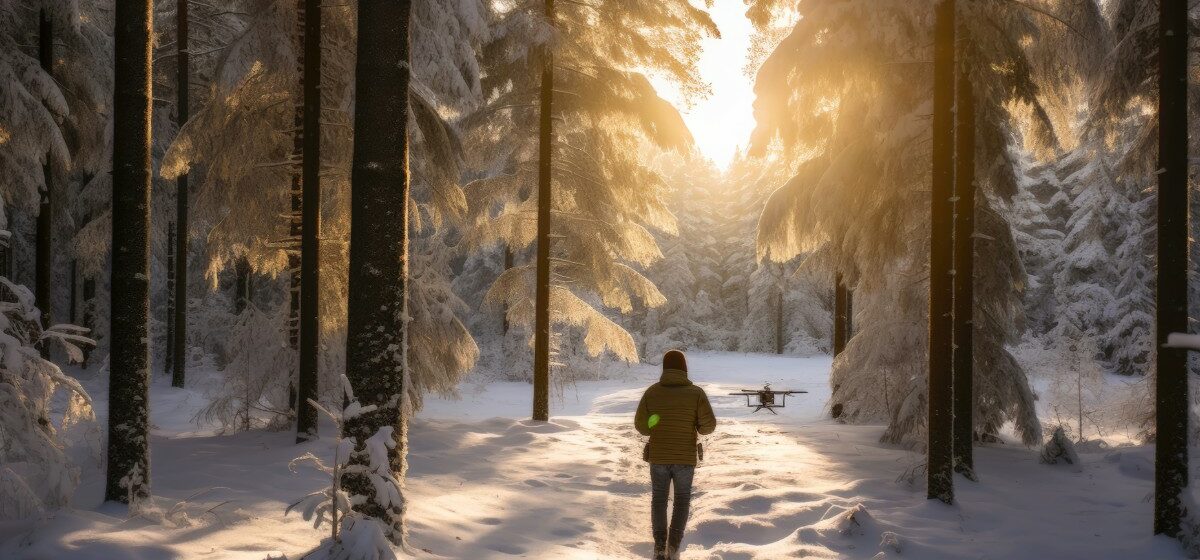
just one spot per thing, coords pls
(660, 545)
(673, 543)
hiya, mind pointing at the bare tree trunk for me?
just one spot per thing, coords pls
(508, 264)
(178, 317)
(964, 277)
(44, 258)
(376, 333)
(941, 253)
(295, 219)
(128, 473)
(849, 314)
(841, 312)
(241, 285)
(840, 301)
(1171, 384)
(169, 355)
(89, 316)
(541, 334)
(310, 245)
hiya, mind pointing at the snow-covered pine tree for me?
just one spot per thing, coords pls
(606, 115)
(36, 476)
(354, 536)
(861, 150)
(242, 143)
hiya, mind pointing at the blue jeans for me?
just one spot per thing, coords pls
(661, 479)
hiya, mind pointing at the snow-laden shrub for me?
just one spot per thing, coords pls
(36, 475)
(256, 391)
(353, 536)
(1060, 449)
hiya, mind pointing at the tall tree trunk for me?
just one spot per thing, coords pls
(43, 265)
(310, 244)
(6, 247)
(964, 277)
(169, 355)
(841, 312)
(178, 317)
(849, 314)
(74, 313)
(241, 285)
(779, 321)
(295, 219)
(89, 315)
(541, 332)
(128, 475)
(941, 253)
(508, 264)
(1171, 387)
(376, 332)
(840, 301)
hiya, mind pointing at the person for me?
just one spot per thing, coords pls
(672, 412)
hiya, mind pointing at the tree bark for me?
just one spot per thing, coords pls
(941, 287)
(541, 334)
(1171, 384)
(89, 317)
(178, 317)
(376, 333)
(779, 321)
(128, 473)
(840, 301)
(849, 314)
(44, 259)
(169, 355)
(310, 241)
(964, 277)
(508, 264)
(241, 285)
(295, 218)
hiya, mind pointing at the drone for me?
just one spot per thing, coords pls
(766, 398)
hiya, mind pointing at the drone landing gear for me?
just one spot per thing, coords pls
(771, 409)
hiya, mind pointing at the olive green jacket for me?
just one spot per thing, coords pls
(683, 411)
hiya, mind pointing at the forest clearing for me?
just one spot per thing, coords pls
(590, 279)
(489, 487)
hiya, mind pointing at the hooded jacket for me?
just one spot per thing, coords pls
(683, 411)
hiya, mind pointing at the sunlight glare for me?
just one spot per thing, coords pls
(721, 123)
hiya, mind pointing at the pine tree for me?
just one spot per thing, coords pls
(128, 473)
(377, 324)
(964, 272)
(178, 316)
(939, 449)
(1171, 390)
(541, 309)
(45, 219)
(860, 155)
(310, 260)
(601, 208)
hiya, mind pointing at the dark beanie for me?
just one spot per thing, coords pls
(674, 359)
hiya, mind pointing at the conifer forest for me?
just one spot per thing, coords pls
(492, 279)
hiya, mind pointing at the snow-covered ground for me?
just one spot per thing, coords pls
(486, 483)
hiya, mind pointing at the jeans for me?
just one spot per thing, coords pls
(661, 479)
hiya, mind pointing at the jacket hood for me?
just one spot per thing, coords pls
(674, 378)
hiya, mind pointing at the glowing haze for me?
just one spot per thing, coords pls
(721, 123)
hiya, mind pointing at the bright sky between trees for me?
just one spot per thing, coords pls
(721, 123)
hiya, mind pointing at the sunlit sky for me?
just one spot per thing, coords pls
(721, 123)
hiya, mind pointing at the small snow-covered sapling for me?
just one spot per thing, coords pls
(353, 536)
